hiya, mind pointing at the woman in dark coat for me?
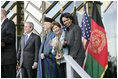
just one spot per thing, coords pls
(73, 39)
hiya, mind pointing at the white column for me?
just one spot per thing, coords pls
(69, 70)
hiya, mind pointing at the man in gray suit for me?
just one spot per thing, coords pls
(28, 51)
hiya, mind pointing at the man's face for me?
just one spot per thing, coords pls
(46, 26)
(27, 28)
(2, 14)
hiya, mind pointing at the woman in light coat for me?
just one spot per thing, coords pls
(58, 50)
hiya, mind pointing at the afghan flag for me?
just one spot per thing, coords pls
(97, 57)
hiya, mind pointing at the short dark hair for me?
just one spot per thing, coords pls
(66, 15)
(47, 19)
(55, 23)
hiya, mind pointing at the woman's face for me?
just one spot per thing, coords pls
(66, 21)
(56, 30)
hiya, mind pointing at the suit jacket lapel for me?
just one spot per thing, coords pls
(2, 26)
(28, 41)
(23, 41)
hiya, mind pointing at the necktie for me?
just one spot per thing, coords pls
(26, 38)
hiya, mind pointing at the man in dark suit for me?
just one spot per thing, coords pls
(8, 48)
(28, 51)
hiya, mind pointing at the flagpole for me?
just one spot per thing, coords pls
(84, 2)
(74, 3)
(93, 1)
(83, 26)
(61, 4)
(74, 7)
(83, 31)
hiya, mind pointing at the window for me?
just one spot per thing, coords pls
(34, 12)
(110, 24)
(55, 9)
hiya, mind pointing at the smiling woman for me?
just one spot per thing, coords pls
(73, 39)
(58, 49)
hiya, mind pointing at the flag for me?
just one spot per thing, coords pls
(97, 57)
(74, 15)
(86, 30)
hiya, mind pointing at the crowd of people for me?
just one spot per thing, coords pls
(36, 58)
